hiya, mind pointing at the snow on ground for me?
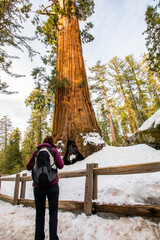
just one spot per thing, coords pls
(151, 122)
(17, 222)
(122, 189)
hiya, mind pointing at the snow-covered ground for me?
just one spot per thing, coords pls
(17, 222)
(151, 122)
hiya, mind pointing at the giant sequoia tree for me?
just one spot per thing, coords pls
(75, 125)
(74, 117)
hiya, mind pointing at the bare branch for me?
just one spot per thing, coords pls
(46, 13)
(48, 6)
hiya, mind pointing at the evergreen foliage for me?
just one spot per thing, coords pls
(13, 162)
(46, 30)
(103, 123)
(134, 95)
(98, 86)
(37, 129)
(12, 15)
(131, 87)
(41, 101)
(136, 88)
(5, 131)
(2, 160)
(152, 19)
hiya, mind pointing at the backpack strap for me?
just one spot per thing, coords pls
(35, 158)
(52, 158)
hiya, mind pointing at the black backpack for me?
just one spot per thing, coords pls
(44, 169)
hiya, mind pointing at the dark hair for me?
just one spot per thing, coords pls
(49, 139)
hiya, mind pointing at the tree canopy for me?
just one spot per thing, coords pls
(12, 15)
(152, 18)
(47, 30)
(13, 161)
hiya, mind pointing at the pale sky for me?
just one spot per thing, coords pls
(118, 28)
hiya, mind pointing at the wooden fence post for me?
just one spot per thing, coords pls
(95, 183)
(23, 186)
(88, 190)
(16, 189)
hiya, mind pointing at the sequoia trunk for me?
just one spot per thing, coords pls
(74, 118)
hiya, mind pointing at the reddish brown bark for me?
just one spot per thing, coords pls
(74, 115)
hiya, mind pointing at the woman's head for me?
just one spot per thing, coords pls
(49, 139)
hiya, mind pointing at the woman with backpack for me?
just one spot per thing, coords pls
(44, 163)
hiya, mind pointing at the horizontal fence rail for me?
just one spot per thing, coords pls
(89, 206)
(79, 173)
(129, 169)
(7, 179)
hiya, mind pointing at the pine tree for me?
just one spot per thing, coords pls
(153, 85)
(152, 19)
(5, 131)
(41, 103)
(135, 92)
(116, 73)
(37, 129)
(103, 123)
(125, 124)
(97, 85)
(13, 162)
(29, 143)
(2, 160)
(139, 96)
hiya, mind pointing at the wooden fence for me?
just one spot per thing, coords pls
(90, 206)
